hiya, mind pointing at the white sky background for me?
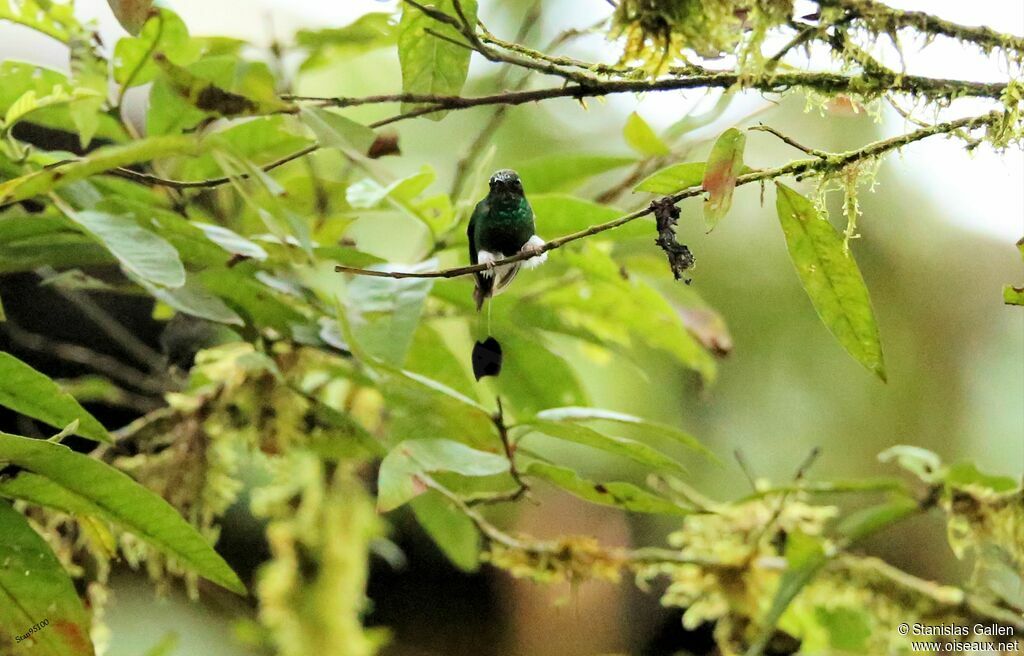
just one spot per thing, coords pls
(939, 165)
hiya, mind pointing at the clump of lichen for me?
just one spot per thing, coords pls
(570, 558)
(737, 558)
(661, 32)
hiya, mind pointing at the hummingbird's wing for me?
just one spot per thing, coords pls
(483, 283)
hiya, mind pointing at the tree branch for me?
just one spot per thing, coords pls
(884, 18)
(818, 165)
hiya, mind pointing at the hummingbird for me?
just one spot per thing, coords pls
(502, 226)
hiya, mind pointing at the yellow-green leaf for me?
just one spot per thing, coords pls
(723, 167)
(40, 611)
(33, 394)
(642, 138)
(673, 178)
(831, 278)
(619, 446)
(617, 494)
(431, 65)
(401, 472)
(78, 482)
(99, 161)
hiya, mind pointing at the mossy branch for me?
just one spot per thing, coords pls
(821, 164)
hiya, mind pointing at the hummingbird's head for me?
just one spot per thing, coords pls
(506, 182)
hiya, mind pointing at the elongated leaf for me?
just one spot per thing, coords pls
(195, 299)
(451, 530)
(724, 165)
(142, 253)
(328, 45)
(100, 160)
(121, 500)
(805, 556)
(831, 278)
(673, 178)
(431, 65)
(578, 414)
(39, 609)
(872, 519)
(616, 494)
(53, 19)
(208, 97)
(533, 376)
(642, 138)
(401, 470)
(563, 172)
(561, 214)
(33, 394)
(336, 131)
(620, 446)
(383, 312)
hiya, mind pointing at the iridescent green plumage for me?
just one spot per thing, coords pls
(501, 226)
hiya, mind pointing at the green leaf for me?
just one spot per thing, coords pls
(430, 65)
(1013, 295)
(923, 463)
(330, 45)
(559, 214)
(533, 376)
(453, 532)
(165, 34)
(872, 519)
(142, 253)
(673, 178)
(431, 356)
(848, 628)
(33, 394)
(626, 310)
(122, 501)
(402, 470)
(38, 602)
(384, 312)
(620, 446)
(89, 75)
(195, 299)
(217, 100)
(336, 131)
(3, 317)
(53, 19)
(258, 303)
(831, 278)
(131, 14)
(963, 474)
(616, 494)
(564, 172)
(805, 556)
(580, 415)
(724, 165)
(98, 161)
(641, 137)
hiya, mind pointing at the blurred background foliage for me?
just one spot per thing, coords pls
(782, 385)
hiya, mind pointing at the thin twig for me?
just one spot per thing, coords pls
(99, 362)
(761, 127)
(123, 337)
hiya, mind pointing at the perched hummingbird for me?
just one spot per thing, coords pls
(502, 226)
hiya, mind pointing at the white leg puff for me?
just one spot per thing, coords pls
(487, 258)
(534, 245)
